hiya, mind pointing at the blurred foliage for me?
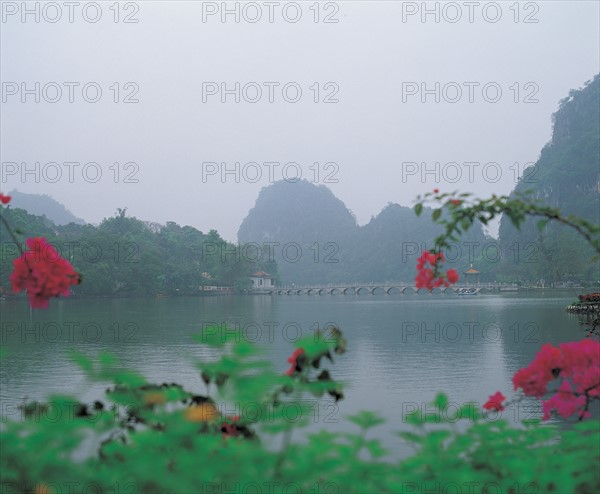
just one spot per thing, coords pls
(148, 438)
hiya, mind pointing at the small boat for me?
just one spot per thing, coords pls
(466, 291)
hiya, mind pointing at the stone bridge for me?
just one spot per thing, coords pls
(379, 288)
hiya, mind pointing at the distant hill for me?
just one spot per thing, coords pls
(287, 212)
(44, 205)
(566, 176)
(312, 230)
(126, 257)
(318, 240)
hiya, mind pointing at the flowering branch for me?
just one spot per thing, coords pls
(40, 270)
(464, 211)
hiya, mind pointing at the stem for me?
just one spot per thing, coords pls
(565, 221)
(361, 443)
(287, 439)
(12, 235)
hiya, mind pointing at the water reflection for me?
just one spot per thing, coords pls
(403, 349)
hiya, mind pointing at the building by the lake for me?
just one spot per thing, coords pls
(262, 280)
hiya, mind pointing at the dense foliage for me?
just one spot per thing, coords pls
(124, 256)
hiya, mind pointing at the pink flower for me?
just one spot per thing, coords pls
(545, 367)
(565, 402)
(577, 363)
(495, 402)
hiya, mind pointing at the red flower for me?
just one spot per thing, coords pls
(4, 199)
(42, 273)
(230, 430)
(426, 276)
(435, 191)
(293, 360)
(452, 275)
(495, 402)
(455, 202)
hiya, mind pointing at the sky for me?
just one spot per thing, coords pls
(184, 111)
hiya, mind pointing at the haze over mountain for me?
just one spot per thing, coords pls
(316, 239)
(566, 176)
(44, 205)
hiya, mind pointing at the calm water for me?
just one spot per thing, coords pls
(402, 349)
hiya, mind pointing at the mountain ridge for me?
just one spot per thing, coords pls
(44, 205)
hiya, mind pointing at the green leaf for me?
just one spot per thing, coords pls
(440, 402)
(366, 419)
(436, 214)
(418, 209)
(83, 361)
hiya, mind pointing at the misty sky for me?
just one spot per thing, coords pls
(366, 61)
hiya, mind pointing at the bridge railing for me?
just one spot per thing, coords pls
(371, 284)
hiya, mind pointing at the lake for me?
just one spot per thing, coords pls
(402, 349)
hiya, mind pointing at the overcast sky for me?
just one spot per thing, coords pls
(374, 61)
